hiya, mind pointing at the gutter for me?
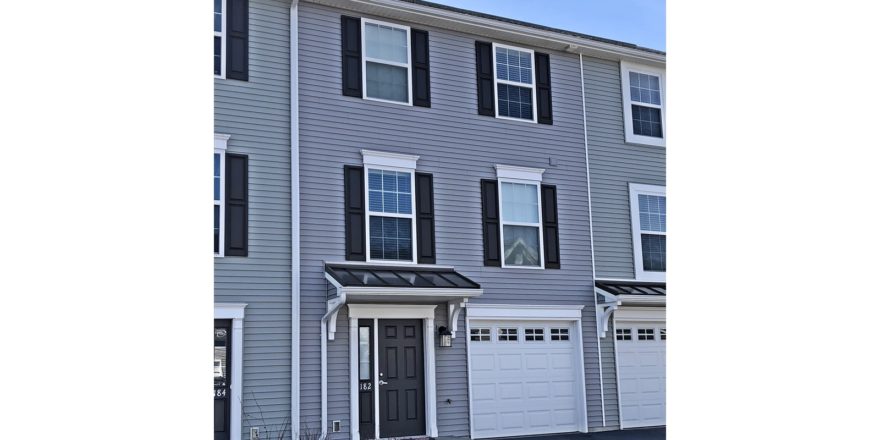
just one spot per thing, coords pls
(592, 247)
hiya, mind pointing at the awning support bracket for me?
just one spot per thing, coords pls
(604, 311)
(453, 310)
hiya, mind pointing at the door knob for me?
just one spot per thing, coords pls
(382, 382)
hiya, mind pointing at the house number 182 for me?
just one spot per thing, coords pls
(366, 386)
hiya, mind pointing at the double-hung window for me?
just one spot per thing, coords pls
(386, 61)
(390, 205)
(520, 208)
(648, 214)
(643, 104)
(220, 141)
(219, 38)
(514, 82)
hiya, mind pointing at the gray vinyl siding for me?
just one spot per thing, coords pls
(459, 147)
(614, 164)
(256, 114)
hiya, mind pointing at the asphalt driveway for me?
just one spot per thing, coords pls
(627, 434)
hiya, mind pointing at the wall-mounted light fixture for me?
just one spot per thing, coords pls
(445, 337)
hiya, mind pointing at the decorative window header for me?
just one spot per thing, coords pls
(519, 173)
(382, 159)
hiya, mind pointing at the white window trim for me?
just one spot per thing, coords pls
(392, 311)
(365, 58)
(235, 312)
(378, 160)
(634, 190)
(495, 82)
(631, 137)
(529, 176)
(220, 141)
(222, 35)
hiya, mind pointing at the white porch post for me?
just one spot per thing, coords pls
(430, 379)
(353, 373)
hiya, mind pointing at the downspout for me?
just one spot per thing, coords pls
(333, 309)
(294, 221)
(592, 248)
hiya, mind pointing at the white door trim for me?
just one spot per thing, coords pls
(531, 312)
(392, 311)
(235, 312)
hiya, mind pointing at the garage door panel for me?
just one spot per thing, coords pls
(641, 357)
(529, 385)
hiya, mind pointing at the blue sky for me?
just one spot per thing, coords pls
(641, 22)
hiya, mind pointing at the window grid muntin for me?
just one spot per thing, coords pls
(481, 334)
(508, 334)
(623, 334)
(222, 37)
(538, 225)
(496, 81)
(371, 213)
(219, 205)
(534, 334)
(365, 59)
(641, 89)
(646, 334)
(558, 334)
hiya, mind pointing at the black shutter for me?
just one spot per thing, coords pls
(236, 236)
(237, 39)
(425, 218)
(485, 80)
(491, 224)
(551, 226)
(351, 56)
(542, 77)
(421, 76)
(355, 214)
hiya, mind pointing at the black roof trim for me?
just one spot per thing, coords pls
(360, 275)
(533, 25)
(633, 287)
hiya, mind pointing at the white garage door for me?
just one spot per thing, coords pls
(641, 357)
(524, 378)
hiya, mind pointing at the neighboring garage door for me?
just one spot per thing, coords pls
(525, 378)
(641, 365)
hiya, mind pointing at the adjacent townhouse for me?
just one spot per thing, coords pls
(403, 230)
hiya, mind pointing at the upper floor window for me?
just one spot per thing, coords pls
(219, 37)
(643, 104)
(648, 214)
(514, 82)
(390, 206)
(219, 191)
(386, 68)
(520, 207)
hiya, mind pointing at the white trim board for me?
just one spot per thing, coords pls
(654, 314)
(392, 311)
(531, 311)
(235, 312)
(294, 219)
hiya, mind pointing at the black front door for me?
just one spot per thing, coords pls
(222, 352)
(401, 378)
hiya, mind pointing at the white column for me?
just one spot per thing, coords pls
(430, 380)
(237, 354)
(353, 373)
